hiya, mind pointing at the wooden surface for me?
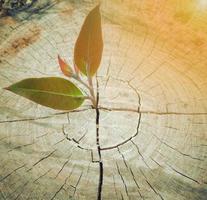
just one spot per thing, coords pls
(153, 104)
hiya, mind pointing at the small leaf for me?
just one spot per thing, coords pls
(53, 92)
(89, 45)
(65, 68)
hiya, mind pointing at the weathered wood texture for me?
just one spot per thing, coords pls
(153, 96)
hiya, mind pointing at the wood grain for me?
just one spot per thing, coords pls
(152, 104)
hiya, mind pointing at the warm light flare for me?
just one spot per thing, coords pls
(202, 4)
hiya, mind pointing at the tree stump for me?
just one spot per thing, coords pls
(153, 104)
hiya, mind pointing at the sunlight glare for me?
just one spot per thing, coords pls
(202, 4)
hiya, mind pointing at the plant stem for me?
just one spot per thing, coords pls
(89, 87)
(94, 101)
(77, 78)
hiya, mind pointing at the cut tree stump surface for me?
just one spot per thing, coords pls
(153, 104)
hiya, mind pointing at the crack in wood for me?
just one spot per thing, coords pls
(42, 135)
(127, 140)
(22, 166)
(156, 162)
(100, 184)
(21, 146)
(42, 117)
(178, 151)
(68, 117)
(140, 154)
(178, 172)
(92, 158)
(122, 198)
(62, 186)
(83, 136)
(184, 175)
(43, 158)
(150, 185)
(114, 183)
(151, 112)
(123, 181)
(26, 119)
(66, 162)
(2, 195)
(59, 141)
(22, 190)
(123, 158)
(74, 140)
(42, 176)
(131, 172)
(138, 187)
(157, 193)
(138, 123)
(75, 187)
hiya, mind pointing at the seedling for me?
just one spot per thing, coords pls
(62, 94)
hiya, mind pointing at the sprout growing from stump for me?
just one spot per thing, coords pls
(62, 94)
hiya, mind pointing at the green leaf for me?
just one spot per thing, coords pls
(53, 92)
(89, 45)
